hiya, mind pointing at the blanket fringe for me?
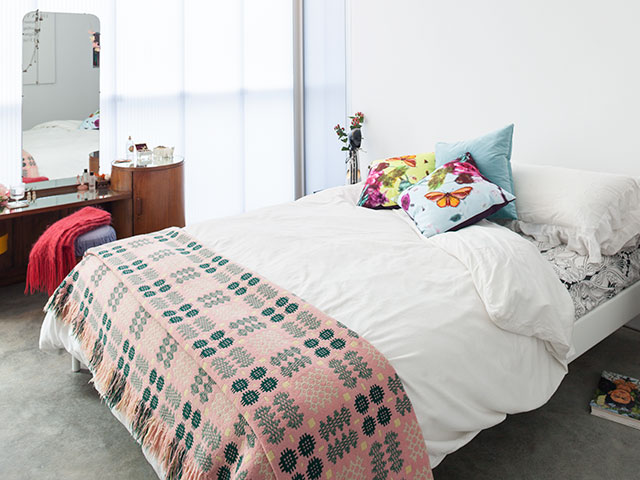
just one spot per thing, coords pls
(58, 300)
(120, 395)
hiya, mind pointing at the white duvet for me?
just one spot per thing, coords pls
(475, 322)
(59, 148)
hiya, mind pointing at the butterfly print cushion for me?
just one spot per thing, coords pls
(452, 197)
(388, 178)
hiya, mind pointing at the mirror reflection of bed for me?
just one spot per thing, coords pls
(61, 94)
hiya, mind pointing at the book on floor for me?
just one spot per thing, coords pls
(617, 398)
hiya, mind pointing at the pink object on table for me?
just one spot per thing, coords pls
(34, 179)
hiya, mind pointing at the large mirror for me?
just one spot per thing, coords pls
(60, 95)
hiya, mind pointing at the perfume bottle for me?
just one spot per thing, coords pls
(92, 182)
(131, 150)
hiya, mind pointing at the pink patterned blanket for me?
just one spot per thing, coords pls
(221, 374)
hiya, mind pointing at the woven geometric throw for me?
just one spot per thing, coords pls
(221, 374)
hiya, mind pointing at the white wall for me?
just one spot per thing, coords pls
(567, 73)
(76, 91)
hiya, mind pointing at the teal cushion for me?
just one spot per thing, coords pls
(492, 153)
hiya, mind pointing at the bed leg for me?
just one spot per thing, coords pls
(75, 364)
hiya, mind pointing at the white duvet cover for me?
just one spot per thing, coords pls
(475, 322)
(59, 148)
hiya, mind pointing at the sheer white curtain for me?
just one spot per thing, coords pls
(212, 78)
(239, 103)
(325, 92)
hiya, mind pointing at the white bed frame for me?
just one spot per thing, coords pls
(605, 319)
(588, 330)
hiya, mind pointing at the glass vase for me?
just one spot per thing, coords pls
(353, 167)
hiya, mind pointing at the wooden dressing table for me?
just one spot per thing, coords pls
(140, 199)
(54, 200)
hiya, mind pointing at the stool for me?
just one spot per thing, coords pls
(93, 238)
(84, 242)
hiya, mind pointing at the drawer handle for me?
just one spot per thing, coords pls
(138, 206)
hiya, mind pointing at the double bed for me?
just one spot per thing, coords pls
(478, 324)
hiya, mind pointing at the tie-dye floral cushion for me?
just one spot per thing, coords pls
(388, 178)
(454, 196)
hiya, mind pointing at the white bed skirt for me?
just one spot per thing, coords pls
(56, 337)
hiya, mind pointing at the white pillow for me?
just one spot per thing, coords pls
(592, 213)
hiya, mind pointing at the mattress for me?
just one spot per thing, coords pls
(591, 284)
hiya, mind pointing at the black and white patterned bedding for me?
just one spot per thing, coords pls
(591, 284)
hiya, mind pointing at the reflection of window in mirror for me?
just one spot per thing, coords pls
(60, 93)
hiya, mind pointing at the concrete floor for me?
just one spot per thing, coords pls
(54, 426)
(52, 422)
(560, 440)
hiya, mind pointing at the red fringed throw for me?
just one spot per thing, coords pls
(53, 255)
